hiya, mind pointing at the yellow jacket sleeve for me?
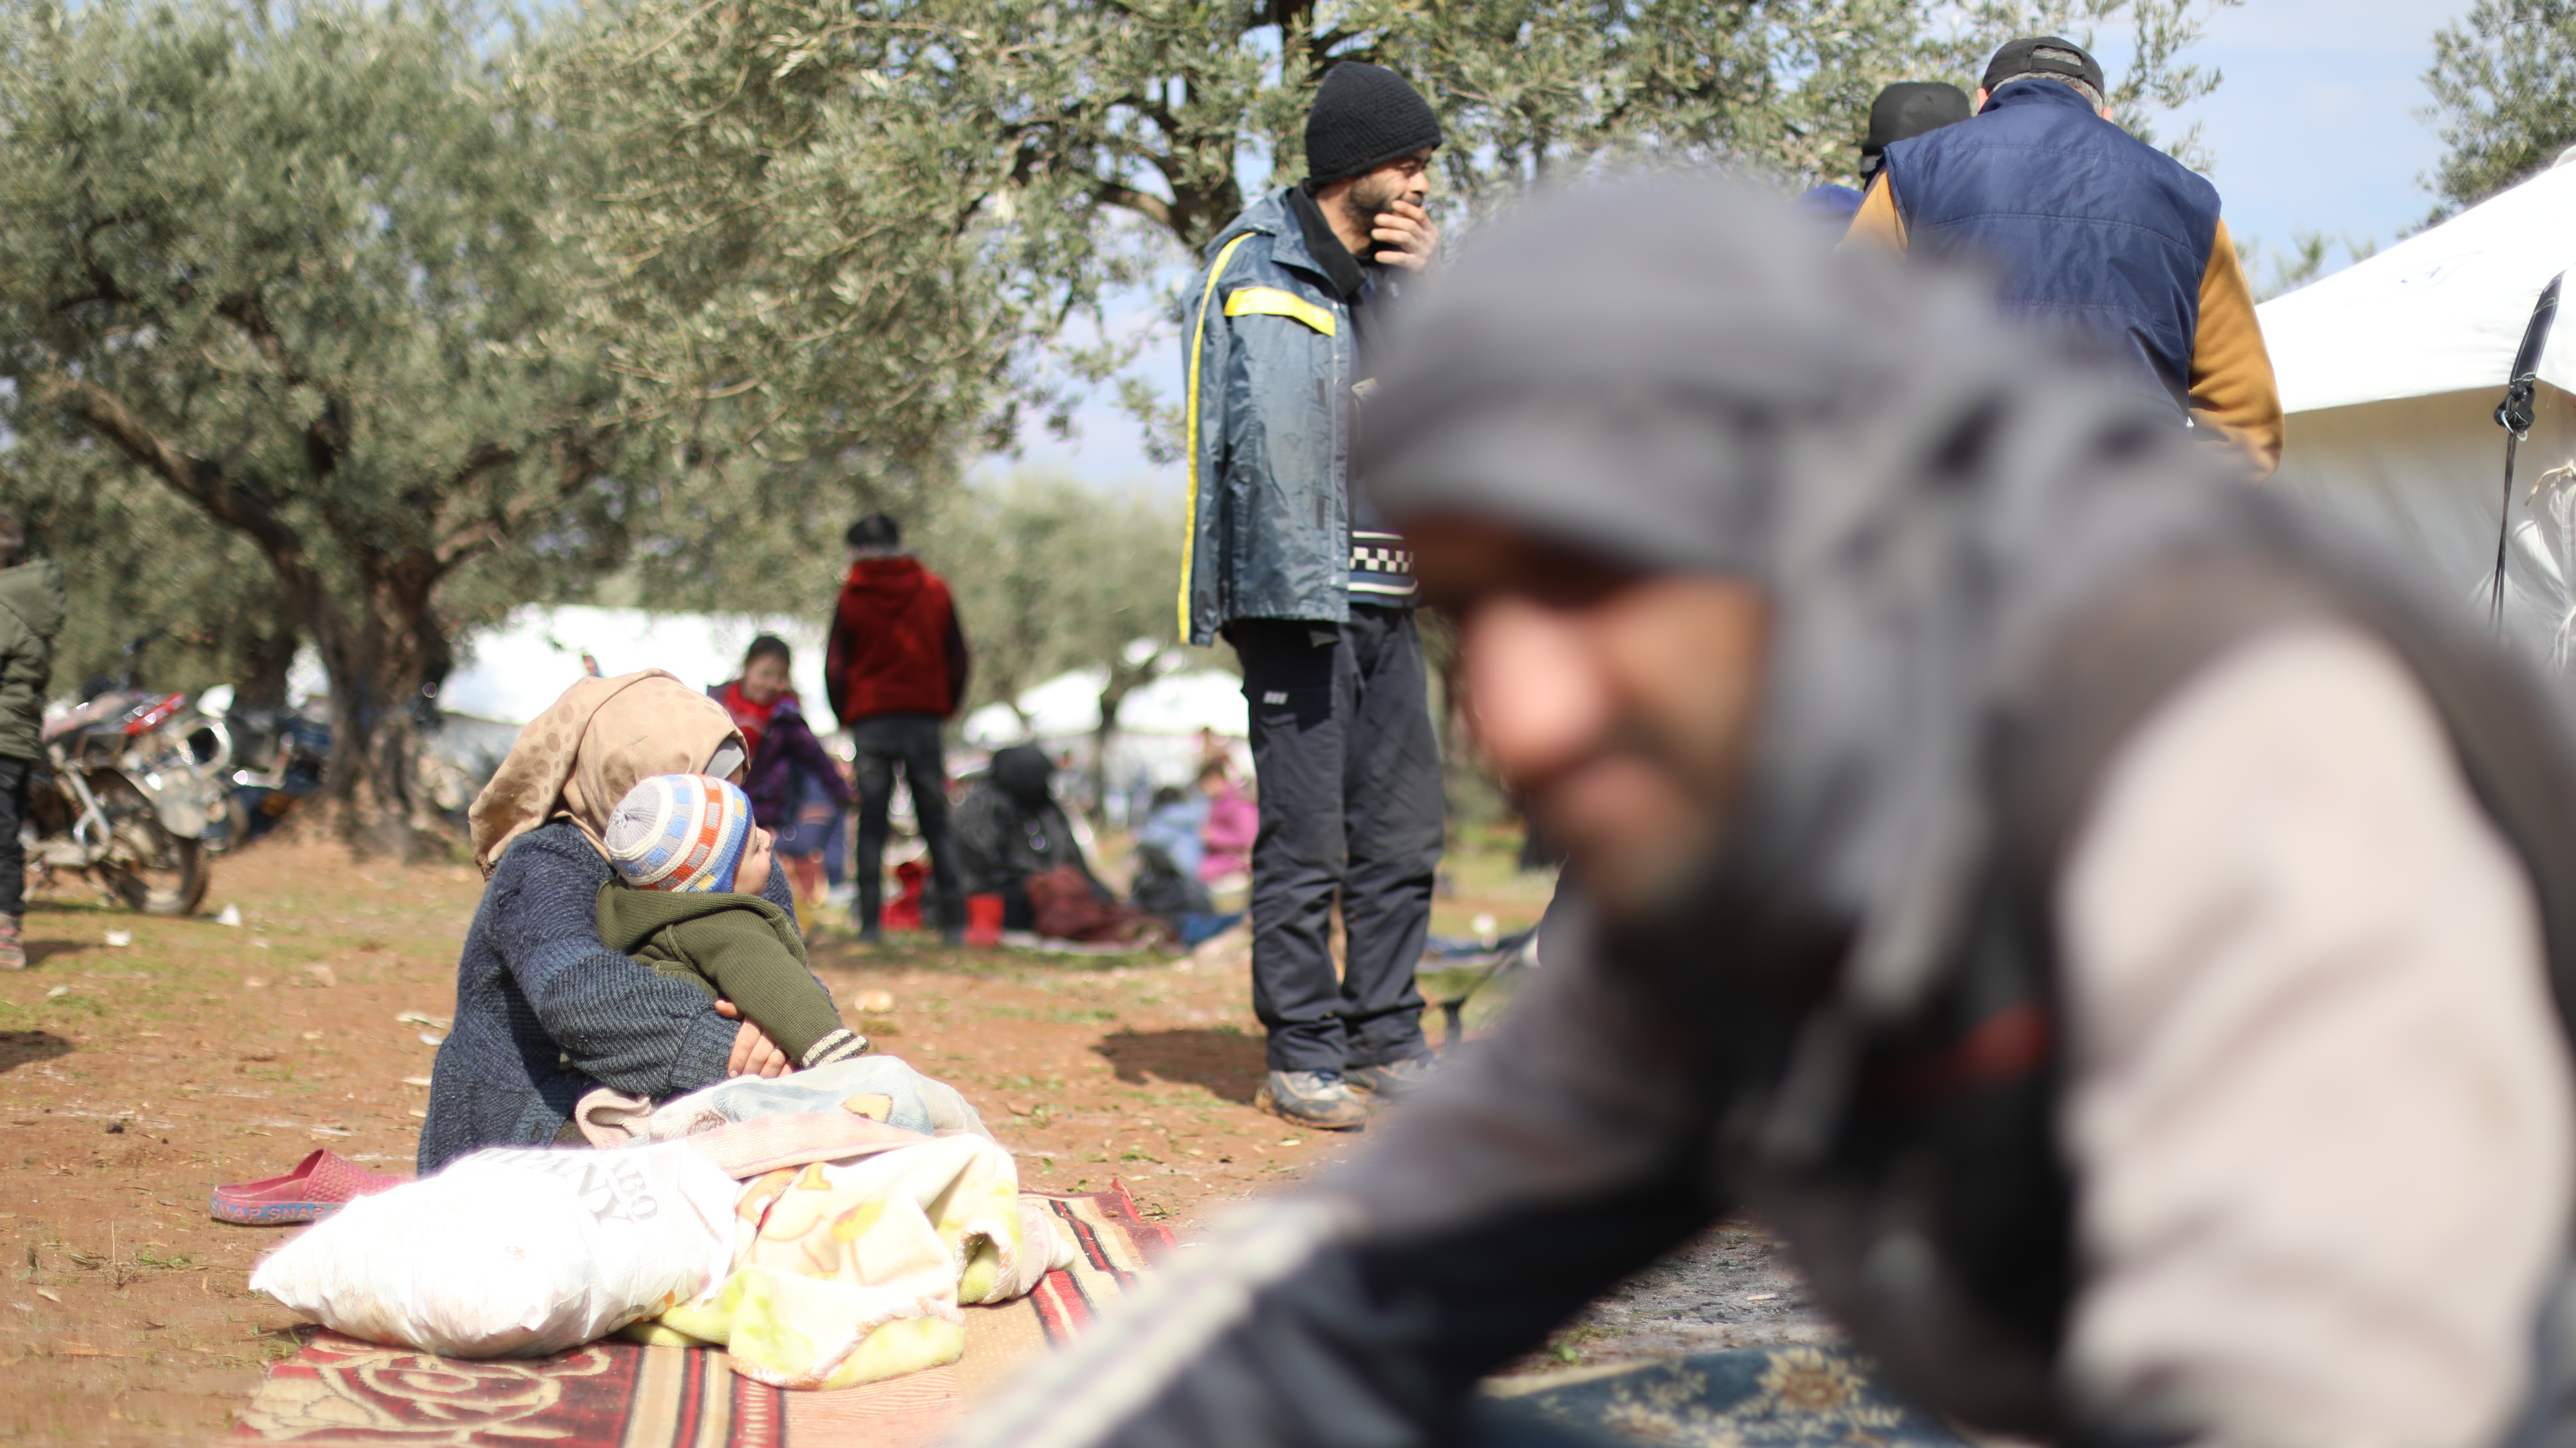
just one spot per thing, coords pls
(2232, 388)
(1878, 221)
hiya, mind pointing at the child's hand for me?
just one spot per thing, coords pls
(754, 1054)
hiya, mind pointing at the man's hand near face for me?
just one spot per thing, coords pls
(1406, 236)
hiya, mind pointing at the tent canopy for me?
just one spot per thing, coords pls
(2439, 312)
(512, 672)
(2390, 372)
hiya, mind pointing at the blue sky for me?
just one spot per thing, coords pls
(2314, 129)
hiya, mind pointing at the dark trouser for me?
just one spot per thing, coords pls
(912, 741)
(1351, 803)
(15, 776)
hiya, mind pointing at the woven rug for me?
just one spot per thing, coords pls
(342, 1393)
(1778, 1397)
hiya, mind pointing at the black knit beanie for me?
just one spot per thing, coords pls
(1364, 116)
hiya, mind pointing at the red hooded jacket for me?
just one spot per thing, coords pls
(895, 646)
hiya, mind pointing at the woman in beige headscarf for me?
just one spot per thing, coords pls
(544, 1011)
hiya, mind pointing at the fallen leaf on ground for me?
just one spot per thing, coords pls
(415, 1080)
(47, 1293)
(419, 1018)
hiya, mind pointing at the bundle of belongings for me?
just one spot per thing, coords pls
(1015, 842)
(825, 1228)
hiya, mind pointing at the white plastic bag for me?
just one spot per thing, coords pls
(510, 1253)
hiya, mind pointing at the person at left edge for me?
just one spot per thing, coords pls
(1287, 560)
(31, 613)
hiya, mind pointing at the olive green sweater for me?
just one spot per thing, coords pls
(740, 948)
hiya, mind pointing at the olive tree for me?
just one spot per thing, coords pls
(296, 268)
(2503, 80)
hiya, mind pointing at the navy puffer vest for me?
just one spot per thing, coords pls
(2086, 227)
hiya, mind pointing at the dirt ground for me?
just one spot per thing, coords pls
(143, 1061)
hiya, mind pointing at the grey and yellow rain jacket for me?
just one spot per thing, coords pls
(1268, 364)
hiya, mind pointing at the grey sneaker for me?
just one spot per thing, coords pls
(1312, 1098)
(1393, 1080)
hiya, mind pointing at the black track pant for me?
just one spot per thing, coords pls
(15, 776)
(879, 746)
(1350, 799)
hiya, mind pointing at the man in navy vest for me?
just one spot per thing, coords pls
(2090, 231)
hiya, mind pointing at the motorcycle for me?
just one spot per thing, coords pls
(135, 783)
(277, 756)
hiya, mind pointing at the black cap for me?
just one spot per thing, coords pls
(2021, 57)
(1909, 108)
(1364, 116)
(876, 530)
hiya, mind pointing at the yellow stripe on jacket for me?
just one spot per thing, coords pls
(1272, 302)
(1198, 346)
(2231, 387)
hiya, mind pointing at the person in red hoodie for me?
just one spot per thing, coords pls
(895, 667)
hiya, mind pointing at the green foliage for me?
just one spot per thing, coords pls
(141, 560)
(1050, 576)
(858, 223)
(288, 271)
(2504, 94)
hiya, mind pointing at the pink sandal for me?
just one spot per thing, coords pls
(321, 1184)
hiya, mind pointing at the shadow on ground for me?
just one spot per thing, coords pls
(1228, 1063)
(17, 1048)
(40, 951)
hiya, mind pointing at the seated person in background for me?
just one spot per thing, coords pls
(1173, 826)
(1232, 822)
(1010, 829)
(789, 767)
(1167, 885)
(688, 865)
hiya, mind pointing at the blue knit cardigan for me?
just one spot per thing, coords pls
(544, 1011)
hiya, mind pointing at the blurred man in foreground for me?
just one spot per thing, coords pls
(2107, 929)
(2090, 230)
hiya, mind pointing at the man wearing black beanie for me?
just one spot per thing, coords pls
(1289, 563)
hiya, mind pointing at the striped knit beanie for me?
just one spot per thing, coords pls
(680, 832)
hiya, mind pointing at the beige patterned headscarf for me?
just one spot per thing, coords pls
(581, 756)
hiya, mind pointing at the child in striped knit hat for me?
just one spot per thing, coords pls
(687, 867)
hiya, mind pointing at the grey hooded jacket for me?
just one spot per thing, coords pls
(1267, 368)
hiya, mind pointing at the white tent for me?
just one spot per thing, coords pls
(1067, 707)
(2390, 372)
(512, 672)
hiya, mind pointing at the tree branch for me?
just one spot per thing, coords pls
(1144, 203)
(235, 502)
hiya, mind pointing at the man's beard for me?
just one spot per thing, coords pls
(1697, 926)
(1367, 206)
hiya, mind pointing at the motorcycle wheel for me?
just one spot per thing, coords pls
(148, 868)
